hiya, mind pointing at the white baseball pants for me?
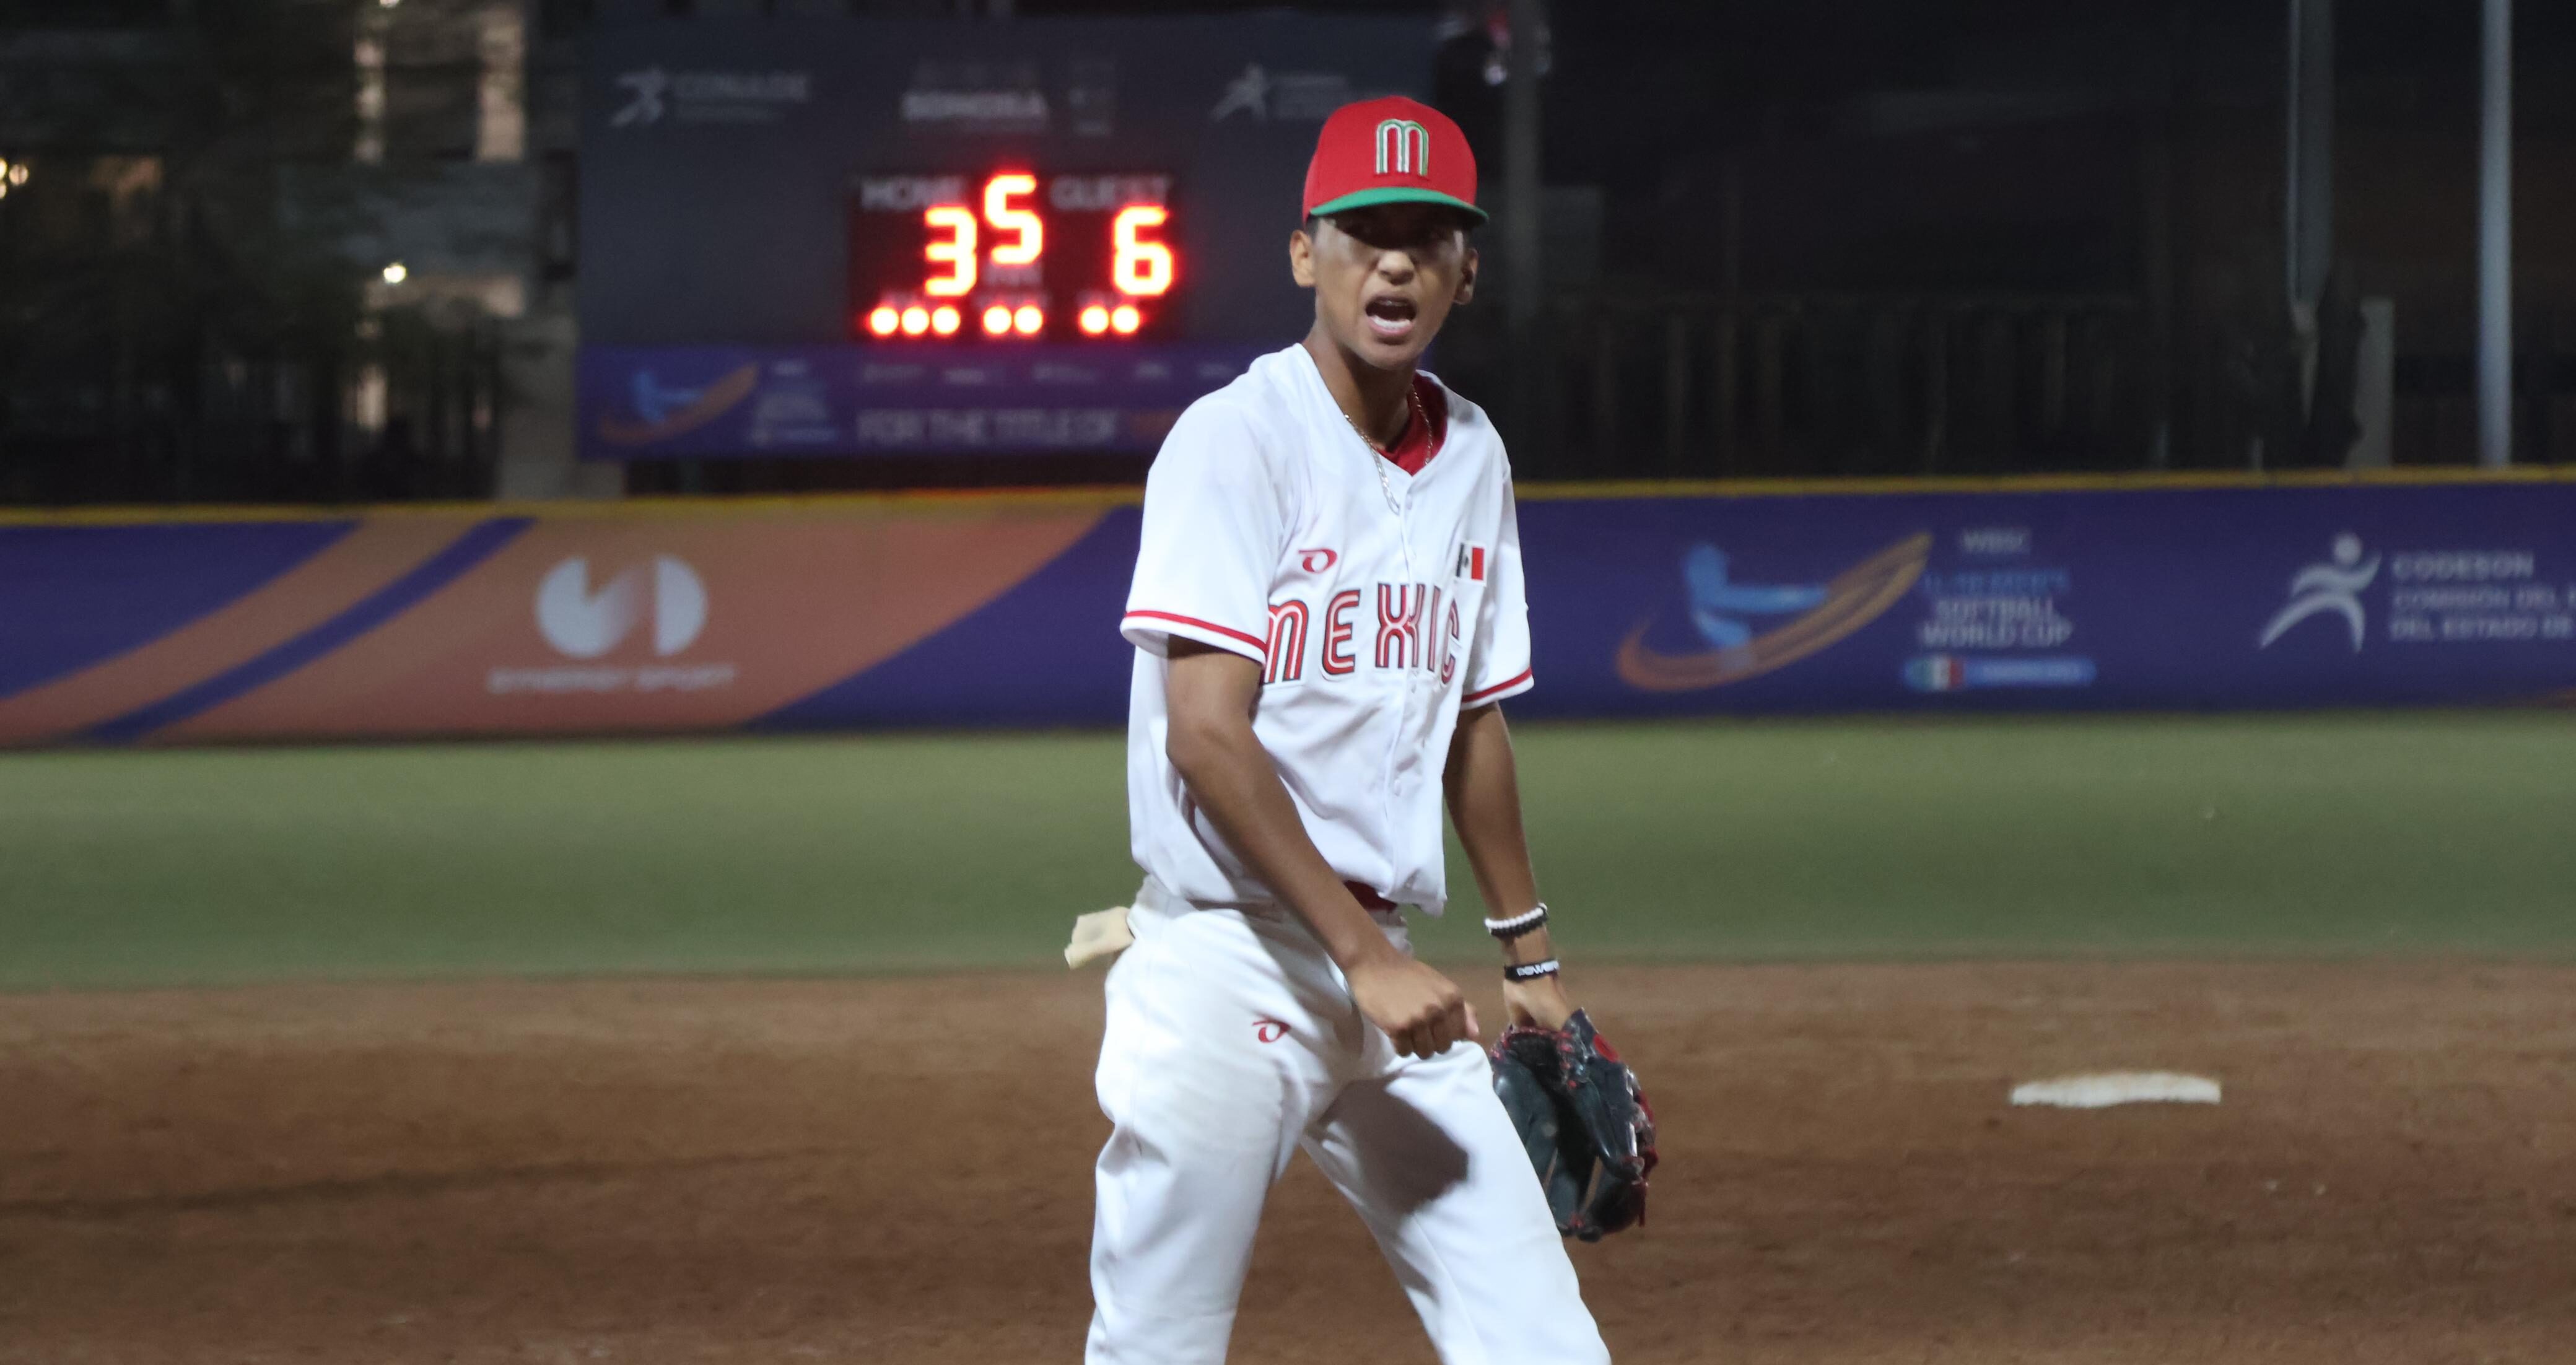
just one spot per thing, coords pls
(1231, 1042)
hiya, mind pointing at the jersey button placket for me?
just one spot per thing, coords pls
(1399, 504)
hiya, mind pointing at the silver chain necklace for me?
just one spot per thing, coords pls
(1380, 459)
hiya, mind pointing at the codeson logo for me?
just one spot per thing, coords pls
(657, 608)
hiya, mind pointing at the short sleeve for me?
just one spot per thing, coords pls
(1215, 523)
(1498, 662)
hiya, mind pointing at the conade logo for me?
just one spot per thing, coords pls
(583, 624)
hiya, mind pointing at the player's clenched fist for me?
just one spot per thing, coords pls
(1422, 1011)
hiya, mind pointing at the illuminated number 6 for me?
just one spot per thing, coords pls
(957, 253)
(1140, 267)
(998, 193)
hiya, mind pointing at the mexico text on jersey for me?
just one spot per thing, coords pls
(1378, 604)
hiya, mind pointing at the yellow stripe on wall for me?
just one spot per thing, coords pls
(1128, 495)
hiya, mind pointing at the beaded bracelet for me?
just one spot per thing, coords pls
(1517, 925)
(1529, 971)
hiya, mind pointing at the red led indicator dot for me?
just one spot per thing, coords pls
(884, 320)
(943, 320)
(1028, 320)
(1126, 319)
(1095, 320)
(916, 320)
(997, 320)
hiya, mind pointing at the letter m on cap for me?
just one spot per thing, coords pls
(1403, 146)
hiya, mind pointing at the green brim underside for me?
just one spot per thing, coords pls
(1396, 195)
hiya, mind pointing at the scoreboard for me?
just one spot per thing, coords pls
(843, 237)
(1011, 255)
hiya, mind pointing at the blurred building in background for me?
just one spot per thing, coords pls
(1992, 237)
(270, 250)
(326, 250)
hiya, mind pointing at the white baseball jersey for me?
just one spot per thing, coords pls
(1379, 603)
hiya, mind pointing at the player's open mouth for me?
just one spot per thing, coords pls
(1390, 317)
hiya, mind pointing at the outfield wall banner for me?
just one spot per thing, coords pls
(417, 624)
(1004, 611)
(2174, 598)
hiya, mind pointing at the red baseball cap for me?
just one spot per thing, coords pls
(1391, 151)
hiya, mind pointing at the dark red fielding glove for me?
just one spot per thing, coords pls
(1587, 1127)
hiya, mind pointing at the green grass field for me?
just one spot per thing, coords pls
(2448, 833)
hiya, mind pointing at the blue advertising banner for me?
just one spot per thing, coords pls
(700, 402)
(2249, 597)
(2160, 598)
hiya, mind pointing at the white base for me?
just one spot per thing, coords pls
(2102, 1089)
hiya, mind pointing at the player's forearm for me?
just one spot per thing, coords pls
(1233, 779)
(1483, 785)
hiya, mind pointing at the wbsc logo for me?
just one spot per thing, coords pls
(662, 411)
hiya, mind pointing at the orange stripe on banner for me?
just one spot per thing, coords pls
(584, 624)
(371, 555)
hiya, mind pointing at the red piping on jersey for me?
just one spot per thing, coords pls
(1259, 644)
(1505, 685)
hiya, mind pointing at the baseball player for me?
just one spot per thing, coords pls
(1327, 611)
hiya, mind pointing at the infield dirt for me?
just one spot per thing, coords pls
(898, 1170)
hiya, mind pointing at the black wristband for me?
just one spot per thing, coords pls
(1529, 971)
(1517, 925)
